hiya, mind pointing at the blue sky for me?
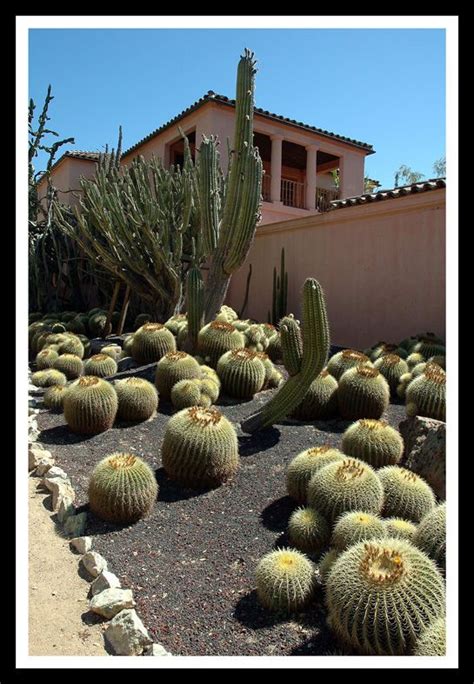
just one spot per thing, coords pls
(384, 87)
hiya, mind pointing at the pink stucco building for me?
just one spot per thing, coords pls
(298, 158)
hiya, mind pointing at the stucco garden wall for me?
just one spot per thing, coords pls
(382, 267)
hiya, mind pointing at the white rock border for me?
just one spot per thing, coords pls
(126, 633)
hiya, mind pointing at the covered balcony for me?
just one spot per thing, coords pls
(297, 176)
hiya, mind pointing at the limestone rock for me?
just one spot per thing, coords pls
(157, 650)
(75, 525)
(81, 544)
(94, 563)
(111, 601)
(66, 507)
(126, 634)
(38, 456)
(60, 489)
(53, 475)
(106, 580)
(425, 450)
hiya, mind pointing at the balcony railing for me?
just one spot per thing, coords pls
(292, 194)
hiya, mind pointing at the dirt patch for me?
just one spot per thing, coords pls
(58, 605)
(191, 564)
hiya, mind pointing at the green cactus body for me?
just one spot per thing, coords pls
(241, 326)
(363, 392)
(438, 360)
(427, 348)
(430, 535)
(392, 368)
(67, 316)
(346, 485)
(98, 325)
(53, 398)
(182, 337)
(402, 353)
(382, 594)
(208, 373)
(345, 359)
(195, 298)
(326, 562)
(173, 367)
(226, 314)
(141, 320)
(48, 378)
(59, 328)
(151, 342)
(426, 394)
(112, 350)
(286, 580)
(315, 346)
(127, 345)
(86, 344)
(39, 340)
(268, 329)
(291, 344)
(406, 494)
(381, 349)
(122, 489)
(174, 323)
(75, 326)
(95, 311)
(373, 441)
(304, 465)
(100, 365)
(308, 530)
(407, 343)
(405, 380)
(217, 338)
(187, 393)
(90, 405)
(255, 338)
(69, 364)
(320, 401)
(418, 369)
(242, 373)
(356, 526)
(399, 527)
(200, 448)
(414, 359)
(72, 345)
(137, 399)
(46, 358)
(274, 349)
(432, 641)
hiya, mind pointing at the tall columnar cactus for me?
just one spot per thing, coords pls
(280, 292)
(90, 405)
(122, 489)
(229, 239)
(382, 594)
(373, 441)
(315, 352)
(195, 308)
(347, 485)
(291, 344)
(200, 448)
(286, 580)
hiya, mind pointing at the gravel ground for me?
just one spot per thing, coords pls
(191, 563)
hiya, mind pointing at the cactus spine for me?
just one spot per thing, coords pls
(242, 373)
(373, 441)
(90, 405)
(320, 401)
(195, 296)
(345, 359)
(363, 392)
(173, 367)
(308, 530)
(122, 489)
(426, 394)
(356, 526)
(430, 535)
(280, 292)
(432, 641)
(304, 465)
(137, 399)
(285, 580)
(291, 344)
(406, 494)
(382, 594)
(315, 352)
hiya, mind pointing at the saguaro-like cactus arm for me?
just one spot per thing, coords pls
(315, 353)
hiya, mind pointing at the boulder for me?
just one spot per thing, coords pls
(94, 563)
(81, 544)
(66, 507)
(106, 580)
(75, 525)
(38, 456)
(425, 451)
(157, 650)
(111, 601)
(126, 634)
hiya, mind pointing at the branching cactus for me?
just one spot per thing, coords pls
(291, 344)
(229, 239)
(315, 353)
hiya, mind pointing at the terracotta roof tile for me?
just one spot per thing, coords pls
(214, 97)
(381, 195)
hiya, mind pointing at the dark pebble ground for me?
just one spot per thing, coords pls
(191, 563)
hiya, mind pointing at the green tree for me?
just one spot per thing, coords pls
(406, 176)
(439, 167)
